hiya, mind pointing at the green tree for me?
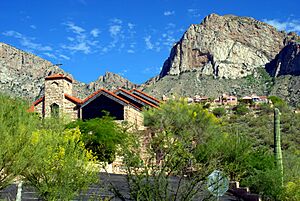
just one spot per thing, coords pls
(180, 118)
(241, 109)
(163, 164)
(165, 168)
(219, 111)
(100, 135)
(16, 128)
(279, 103)
(60, 166)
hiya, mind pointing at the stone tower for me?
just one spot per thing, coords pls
(56, 86)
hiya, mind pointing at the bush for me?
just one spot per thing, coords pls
(241, 109)
(16, 128)
(101, 136)
(60, 167)
(219, 111)
(279, 103)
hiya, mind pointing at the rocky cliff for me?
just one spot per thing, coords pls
(230, 54)
(225, 47)
(222, 54)
(22, 74)
(287, 62)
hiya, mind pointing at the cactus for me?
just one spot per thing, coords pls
(277, 142)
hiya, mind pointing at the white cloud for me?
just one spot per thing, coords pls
(33, 26)
(114, 30)
(162, 39)
(121, 34)
(95, 32)
(123, 72)
(70, 38)
(74, 28)
(168, 13)
(50, 55)
(289, 25)
(130, 25)
(64, 57)
(27, 42)
(130, 51)
(193, 12)
(116, 21)
(149, 44)
(79, 42)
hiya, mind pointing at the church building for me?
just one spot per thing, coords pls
(122, 104)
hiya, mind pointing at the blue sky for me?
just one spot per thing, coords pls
(129, 37)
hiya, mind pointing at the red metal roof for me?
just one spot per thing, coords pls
(139, 91)
(35, 103)
(73, 99)
(106, 91)
(58, 76)
(112, 94)
(137, 97)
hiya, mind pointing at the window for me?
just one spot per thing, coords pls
(54, 110)
(54, 84)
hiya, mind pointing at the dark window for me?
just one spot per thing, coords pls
(54, 110)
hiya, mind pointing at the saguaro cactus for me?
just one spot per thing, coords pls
(277, 142)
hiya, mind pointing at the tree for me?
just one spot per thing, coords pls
(165, 167)
(219, 111)
(279, 103)
(60, 166)
(241, 109)
(180, 118)
(100, 135)
(16, 128)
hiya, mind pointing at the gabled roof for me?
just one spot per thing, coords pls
(73, 99)
(120, 90)
(144, 94)
(263, 97)
(58, 76)
(35, 103)
(108, 94)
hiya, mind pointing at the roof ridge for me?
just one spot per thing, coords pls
(141, 99)
(73, 98)
(106, 91)
(151, 97)
(59, 76)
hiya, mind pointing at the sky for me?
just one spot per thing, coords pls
(130, 37)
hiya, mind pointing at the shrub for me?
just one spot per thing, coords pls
(60, 167)
(241, 109)
(219, 111)
(16, 128)
(101, 136)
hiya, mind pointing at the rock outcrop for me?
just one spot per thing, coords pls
(22, 74)
(287, 62)
(225, 47)
(109, 80)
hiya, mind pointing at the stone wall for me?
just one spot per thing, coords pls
(70, 109)
(39, 108)
(134, 117)
(54, 93)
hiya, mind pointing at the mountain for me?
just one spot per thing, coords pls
(22, 74)
(237, 55)
(222, 54)
(225, 47)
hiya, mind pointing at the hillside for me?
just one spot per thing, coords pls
(222, 54)
(22, 74)
(236, 55)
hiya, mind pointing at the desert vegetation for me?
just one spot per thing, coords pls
(171, 160)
